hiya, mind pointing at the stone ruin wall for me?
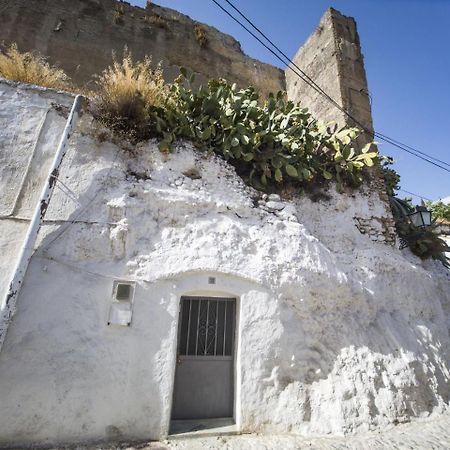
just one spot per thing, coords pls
(332, 57)
(80, 35)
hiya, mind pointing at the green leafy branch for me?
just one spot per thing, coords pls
(440, 210)
(424, 242)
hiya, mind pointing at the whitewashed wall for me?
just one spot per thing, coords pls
(30, 131)
(336, 333)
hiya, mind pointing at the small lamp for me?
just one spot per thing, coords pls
(421, 217)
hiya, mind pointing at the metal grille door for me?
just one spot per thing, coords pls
(204, 378)
(206, 327)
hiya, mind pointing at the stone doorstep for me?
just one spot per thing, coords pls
(183, 429)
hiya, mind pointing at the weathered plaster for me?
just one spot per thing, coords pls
(336, 333)
(30, 130)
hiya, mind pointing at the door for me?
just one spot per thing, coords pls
(204, 376)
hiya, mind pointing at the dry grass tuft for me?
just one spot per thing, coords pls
(119, 12)
(31, 68)
(201, 36)
(157, 21)
(125, 92)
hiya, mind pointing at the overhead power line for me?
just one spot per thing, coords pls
(307, 79)
(415, 150)
(405, 149)
(415, 195)
(317, 88)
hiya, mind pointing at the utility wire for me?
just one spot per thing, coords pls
(316, 87)
(90, 272)
(287, 59)
(75, 219)
(259, 40)
(413, 149)
(304, 77)
(415, 195)
(401, 147)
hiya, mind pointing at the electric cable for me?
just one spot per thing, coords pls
(415, 195)
(304, 77)
(45, 245)
(414, 149)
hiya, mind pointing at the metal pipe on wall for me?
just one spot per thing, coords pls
(8, 305)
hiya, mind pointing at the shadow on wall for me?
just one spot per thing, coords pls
(361, 370)
(69, 365)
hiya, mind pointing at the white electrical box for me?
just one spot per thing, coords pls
(121, 309)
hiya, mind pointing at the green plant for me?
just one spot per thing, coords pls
(400, 207)
(31, 68)
(274, 144)
(391, 177)
(200, 35)
(424, 242)
(126, 91)
(440, 210)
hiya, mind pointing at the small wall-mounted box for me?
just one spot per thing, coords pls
(121, 309)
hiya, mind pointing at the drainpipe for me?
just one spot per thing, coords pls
(8, 305)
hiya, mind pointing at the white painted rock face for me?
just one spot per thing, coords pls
(354, 335)
(336, 333)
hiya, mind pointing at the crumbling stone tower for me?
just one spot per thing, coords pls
(332, 57)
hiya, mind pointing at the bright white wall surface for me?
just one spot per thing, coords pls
(30, 131)
(336, 333)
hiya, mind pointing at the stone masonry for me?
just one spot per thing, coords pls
(80, 36)
(332, 58)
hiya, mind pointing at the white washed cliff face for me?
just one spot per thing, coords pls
(335, 333)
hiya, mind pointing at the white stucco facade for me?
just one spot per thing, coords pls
(335, 333)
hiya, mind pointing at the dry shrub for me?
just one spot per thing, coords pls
(31, 68)
(201, 36)
(119, 12)
(157, 21)
(125, 92)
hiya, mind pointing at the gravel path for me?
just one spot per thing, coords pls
(433, 434)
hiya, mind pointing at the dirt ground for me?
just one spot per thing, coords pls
(431, 434)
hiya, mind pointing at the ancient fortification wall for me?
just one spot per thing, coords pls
(80, 35)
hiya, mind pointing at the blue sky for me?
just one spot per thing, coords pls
(406, 45)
